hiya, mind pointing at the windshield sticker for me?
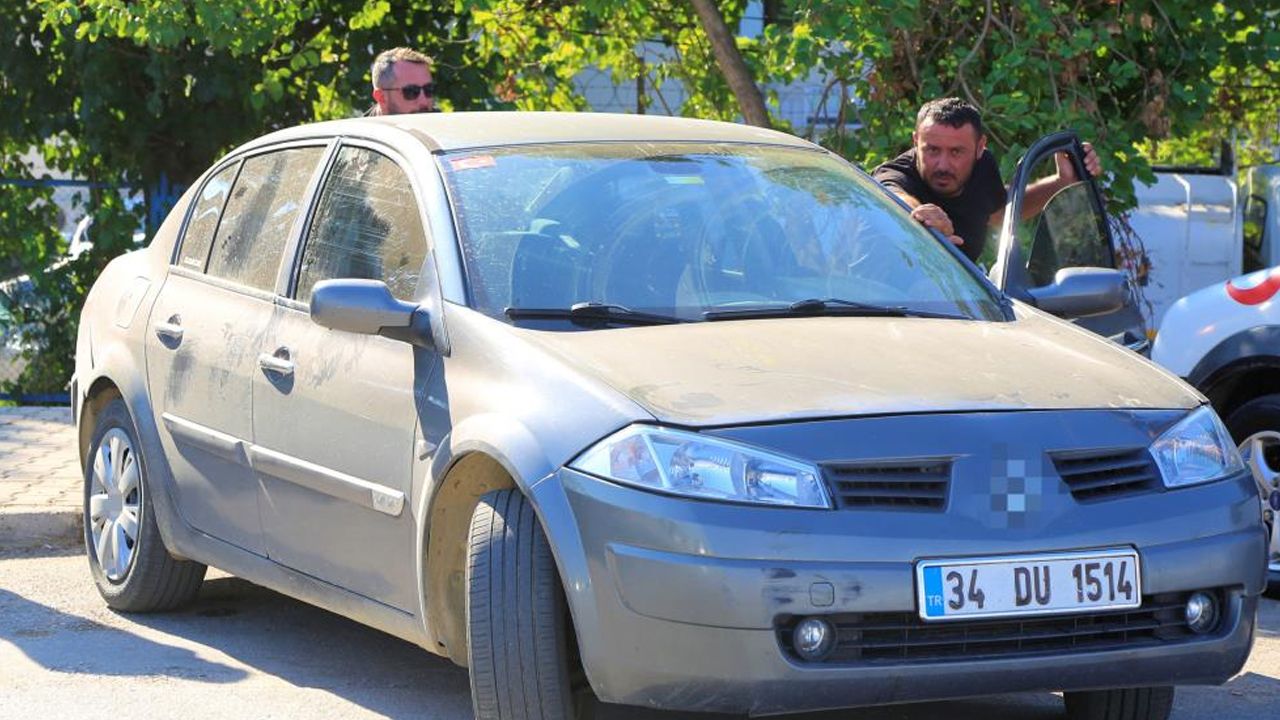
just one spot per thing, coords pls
(473, 162)
(683, 180)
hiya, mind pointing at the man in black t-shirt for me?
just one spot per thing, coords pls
(951, 180)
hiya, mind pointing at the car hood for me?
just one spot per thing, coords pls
(744, 371)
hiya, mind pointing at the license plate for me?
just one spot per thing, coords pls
(1028, 584)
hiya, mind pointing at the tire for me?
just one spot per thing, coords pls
(517, 619)
(131, 566)
(1153, 703)
(1255, 427)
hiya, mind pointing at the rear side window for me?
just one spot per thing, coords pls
(204, 219)
(264, 202)
(366, 226)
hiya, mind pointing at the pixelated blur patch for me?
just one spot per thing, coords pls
(1018, 487)
(472, 162)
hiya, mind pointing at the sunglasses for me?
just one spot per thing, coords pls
(411, 91)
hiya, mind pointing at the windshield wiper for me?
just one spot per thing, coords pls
(820, 306)
(592, 313)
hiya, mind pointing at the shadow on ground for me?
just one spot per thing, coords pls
(312, 648)
(54, 640)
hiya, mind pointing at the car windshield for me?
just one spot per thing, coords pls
(692, 232)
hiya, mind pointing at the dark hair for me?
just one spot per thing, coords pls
(952, 112)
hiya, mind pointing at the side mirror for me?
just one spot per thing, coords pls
(368, 307)
(1083, 291)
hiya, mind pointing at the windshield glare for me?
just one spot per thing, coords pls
(683, 229)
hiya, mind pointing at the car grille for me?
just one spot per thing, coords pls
(915, 484)
(890, 638)
(1102, 474)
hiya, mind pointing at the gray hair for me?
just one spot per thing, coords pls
(383, 69)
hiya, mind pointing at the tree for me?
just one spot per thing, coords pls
(731, 64)
(540, 47)
(132, 93)
(127, 92)
(1121, 73)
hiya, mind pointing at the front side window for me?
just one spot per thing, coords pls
(204, 219)
(264, 203)
(1067, 233)
(685, 229)
(366, 226)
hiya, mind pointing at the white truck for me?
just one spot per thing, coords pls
(1198, 228)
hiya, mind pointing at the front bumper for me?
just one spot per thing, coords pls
(677, 604)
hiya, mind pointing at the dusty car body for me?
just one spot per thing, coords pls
(551, 392)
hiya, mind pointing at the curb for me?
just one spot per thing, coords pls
(27, 527)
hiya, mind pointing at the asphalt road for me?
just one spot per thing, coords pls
(245, 652)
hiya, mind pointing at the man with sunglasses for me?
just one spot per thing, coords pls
(402, 83)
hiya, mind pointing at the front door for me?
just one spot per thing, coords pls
(1071, 231)
(334, 417)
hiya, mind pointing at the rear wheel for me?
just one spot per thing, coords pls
(1126, 704)
(132, 568)
(517, 619)
(1255, 426)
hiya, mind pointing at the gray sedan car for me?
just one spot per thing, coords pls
(673, 413)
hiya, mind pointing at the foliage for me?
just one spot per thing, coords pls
(1116, 72)
(1119, 73)
(125, 93)
(1142, 80)
(539, 46)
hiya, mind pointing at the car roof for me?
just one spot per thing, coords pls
(463, 130)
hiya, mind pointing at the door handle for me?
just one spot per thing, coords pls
(170, 329)
(278, 362)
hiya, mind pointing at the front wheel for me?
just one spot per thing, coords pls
(1255, 426)
(1125, 704)
(517, 619)
(131, 566)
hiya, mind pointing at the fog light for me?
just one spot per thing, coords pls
(1202, 612)
(813, 638)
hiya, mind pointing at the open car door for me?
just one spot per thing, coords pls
(1062, 259)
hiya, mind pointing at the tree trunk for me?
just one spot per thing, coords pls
(750, 101)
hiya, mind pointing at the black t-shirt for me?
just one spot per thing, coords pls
(969, 211)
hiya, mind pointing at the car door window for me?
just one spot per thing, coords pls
(366, 225)
(259, 214)
(1066, 233)
(204, 219)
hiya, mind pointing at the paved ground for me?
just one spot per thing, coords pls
(39, 476)
(245, 652)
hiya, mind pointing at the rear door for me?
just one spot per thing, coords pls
(1071, 231)
(335, 420)
(208, 320)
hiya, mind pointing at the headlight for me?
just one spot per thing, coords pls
(685, 463)
(1196, 450)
